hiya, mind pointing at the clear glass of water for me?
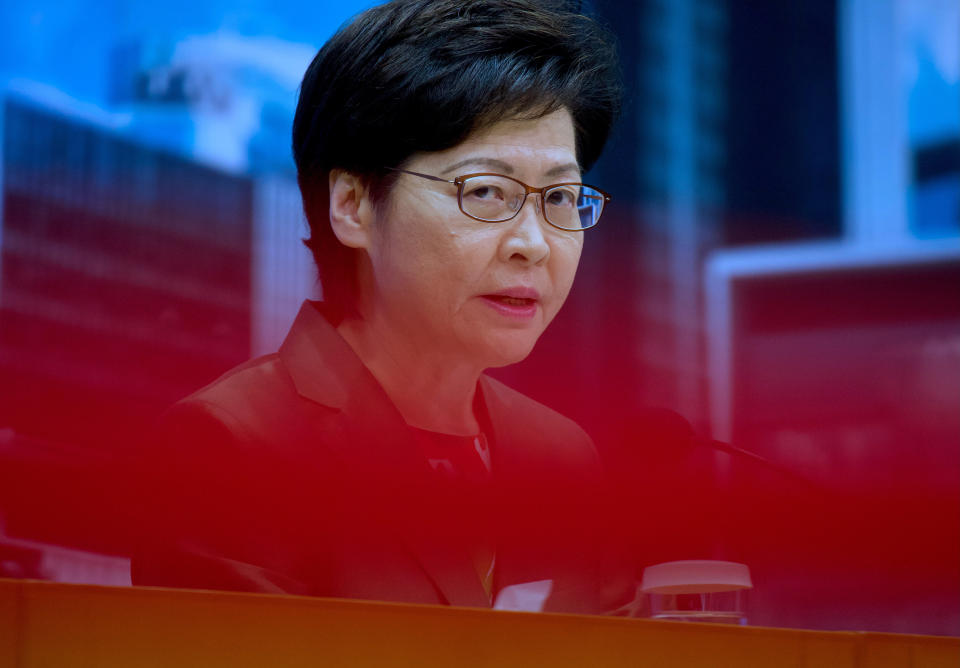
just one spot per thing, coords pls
(698, 591)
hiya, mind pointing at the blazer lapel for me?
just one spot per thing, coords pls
(378, 448)
(531, 494)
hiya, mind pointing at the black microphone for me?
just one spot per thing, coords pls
(668, 426)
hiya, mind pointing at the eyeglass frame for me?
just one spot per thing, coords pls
(460, 180)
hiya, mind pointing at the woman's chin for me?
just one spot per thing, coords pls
(507, 350)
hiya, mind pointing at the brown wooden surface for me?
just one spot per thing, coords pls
(48, 624)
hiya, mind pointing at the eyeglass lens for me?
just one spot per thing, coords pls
(498, 198)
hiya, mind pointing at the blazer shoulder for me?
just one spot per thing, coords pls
(258, 380)
(257, 405)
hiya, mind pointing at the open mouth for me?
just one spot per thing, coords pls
(512, 301)
(523, 308)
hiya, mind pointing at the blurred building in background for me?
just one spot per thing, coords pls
(779, 263)
(124, 283)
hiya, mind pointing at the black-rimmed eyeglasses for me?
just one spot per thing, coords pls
(496, 198)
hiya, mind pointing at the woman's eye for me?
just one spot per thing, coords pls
(561, 197)
(485, 192)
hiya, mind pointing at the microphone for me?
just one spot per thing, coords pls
(665, 425)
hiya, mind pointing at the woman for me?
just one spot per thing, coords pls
(439, 148)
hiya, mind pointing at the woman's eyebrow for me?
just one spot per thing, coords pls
(488, 162)
(505, 168)
(563, 169)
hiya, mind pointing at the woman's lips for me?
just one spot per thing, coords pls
(512, 306)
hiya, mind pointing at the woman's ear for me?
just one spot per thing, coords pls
(351, 211)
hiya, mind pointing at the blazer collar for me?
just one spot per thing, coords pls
(323, 366)
(326, 370)
(376, 443)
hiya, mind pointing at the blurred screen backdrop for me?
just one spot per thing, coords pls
(780, 265)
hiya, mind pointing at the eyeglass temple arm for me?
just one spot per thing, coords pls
(423, 176)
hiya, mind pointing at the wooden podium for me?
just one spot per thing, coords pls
(81, 626)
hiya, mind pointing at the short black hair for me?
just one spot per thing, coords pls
(422, 75)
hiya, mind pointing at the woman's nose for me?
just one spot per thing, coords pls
(525, 239)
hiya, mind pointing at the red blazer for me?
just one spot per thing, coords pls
(295, 473)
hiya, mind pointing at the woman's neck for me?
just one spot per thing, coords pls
(430, 391)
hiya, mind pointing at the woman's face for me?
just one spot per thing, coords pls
(481, 293)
